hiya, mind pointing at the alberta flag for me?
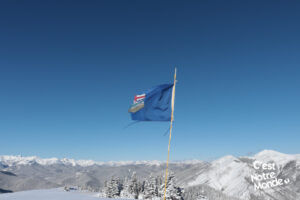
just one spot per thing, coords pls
(153, 104)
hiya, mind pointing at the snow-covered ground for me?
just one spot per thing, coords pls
(50, 194)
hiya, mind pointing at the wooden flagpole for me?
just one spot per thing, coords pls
(171, 125)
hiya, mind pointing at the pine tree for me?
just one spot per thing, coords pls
(107, 189)
(151, 188)
(173, 192)
(141, 186)
(131, 188)
(116, 187)
(134, 186)
(113, 188)
(126, 192)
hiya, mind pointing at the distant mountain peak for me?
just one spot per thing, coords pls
(268, 152)
(224, 160)
(275, 156)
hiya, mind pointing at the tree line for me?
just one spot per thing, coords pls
(151, 188)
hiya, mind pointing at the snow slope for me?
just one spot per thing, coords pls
(50, 194)
(231, 175)
(225, 175)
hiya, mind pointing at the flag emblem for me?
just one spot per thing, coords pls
(138, 103)
(139, 98)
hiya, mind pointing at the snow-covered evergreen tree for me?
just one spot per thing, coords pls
(126, 192)
(131, 188)
(141, 187)
(151, 188)
(173, 192)
(113, 188)
(134, 185)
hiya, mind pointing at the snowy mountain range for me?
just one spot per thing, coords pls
(226, 178)
(20, 160)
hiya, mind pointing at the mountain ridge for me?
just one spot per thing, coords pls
(11, 160)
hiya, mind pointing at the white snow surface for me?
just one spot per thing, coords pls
(277, 157)
(225, 175)
(20, 160)
(50, 194)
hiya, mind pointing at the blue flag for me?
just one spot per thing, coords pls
(153, 104)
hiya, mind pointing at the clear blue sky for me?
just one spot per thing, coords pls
(69, 71)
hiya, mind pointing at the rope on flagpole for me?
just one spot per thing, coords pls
(171, 126)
